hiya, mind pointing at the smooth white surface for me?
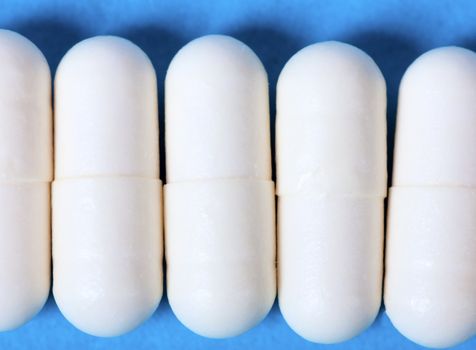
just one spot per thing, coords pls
(436, 125)
(331, 174)
(217, 112)
(107, 252)
(430, 287)
(24, 251)
(330, 264)
(219, 202)
(25, 111)
(107, 211)
(221, 275)
(106, 111)
(330, 123)
(25, 171)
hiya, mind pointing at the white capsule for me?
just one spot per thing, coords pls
(107, 233)
(219, 199)
(26, 170)
(430, 284)
(331, 184)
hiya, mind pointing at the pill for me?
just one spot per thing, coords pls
(331, 185)
(26, 170)
(219, 196)
(430, 285)
(107, 236)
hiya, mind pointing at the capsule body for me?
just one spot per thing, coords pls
(107, 226)
(430, 284)
(25, 175)
(219, 197)
(331, 184)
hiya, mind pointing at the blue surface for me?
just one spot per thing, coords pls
(394, 33)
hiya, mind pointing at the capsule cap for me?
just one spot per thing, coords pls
(106, 120)
(217, 112)
(25, 111)
(331, 122)
(436, 124)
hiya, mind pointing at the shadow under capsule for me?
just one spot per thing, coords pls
(393, 54)
(274, 48)
(53, 37)
(160, 45)
(467, 43)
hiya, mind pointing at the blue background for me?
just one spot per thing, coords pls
(394, 33)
